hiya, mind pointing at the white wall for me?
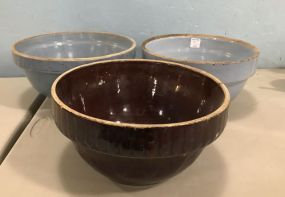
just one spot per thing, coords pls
(261, 22)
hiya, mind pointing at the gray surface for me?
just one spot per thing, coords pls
(257, 21)
(35, 54)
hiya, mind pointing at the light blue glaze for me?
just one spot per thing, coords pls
(45, 57)
(232, 61)
(259, 21)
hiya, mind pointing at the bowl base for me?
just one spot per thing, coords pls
(235, 88)
(137, 171)
(41, 81)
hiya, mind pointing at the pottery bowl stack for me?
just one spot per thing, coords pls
(139, 122)
(45, 57)
(232, 61)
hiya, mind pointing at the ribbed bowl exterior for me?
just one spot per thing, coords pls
(131, 142)
(138, 156)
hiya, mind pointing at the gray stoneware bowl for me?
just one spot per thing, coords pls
(232, 61)
(45, 57)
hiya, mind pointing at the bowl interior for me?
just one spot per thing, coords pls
(73, 45)
(140, 92)
(210, 49)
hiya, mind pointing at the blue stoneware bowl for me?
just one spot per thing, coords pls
(232, 61)
(45, 57)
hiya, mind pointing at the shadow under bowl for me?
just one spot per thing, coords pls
(45, 57)
(139, 122)
(232, 61)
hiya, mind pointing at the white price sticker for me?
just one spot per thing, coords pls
(195, 43)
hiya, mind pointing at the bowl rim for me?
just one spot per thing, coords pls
(94, 58)
(255, 50)
(209, 116)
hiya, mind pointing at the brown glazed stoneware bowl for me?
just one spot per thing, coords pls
(139, 122)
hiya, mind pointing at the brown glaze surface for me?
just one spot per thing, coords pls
(137, 171)
(141, 93)
(158, 95)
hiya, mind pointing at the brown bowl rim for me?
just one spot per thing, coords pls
(95, 58)
(209, 116)
(255, 50)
